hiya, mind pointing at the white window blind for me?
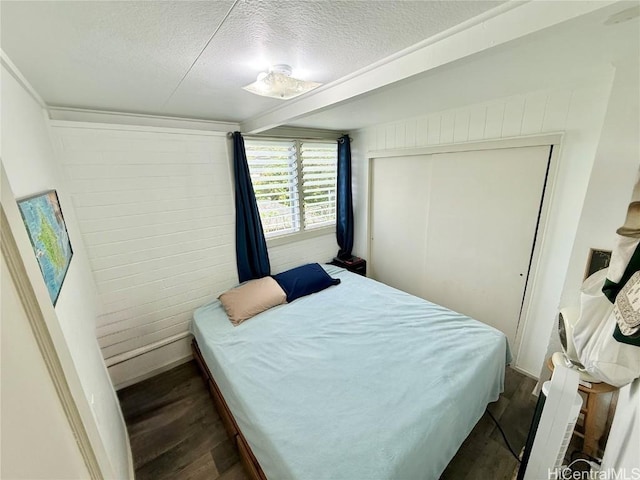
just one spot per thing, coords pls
(294, 182)
(319, 162)
(274, 174)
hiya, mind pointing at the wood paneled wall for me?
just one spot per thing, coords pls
(530, 114)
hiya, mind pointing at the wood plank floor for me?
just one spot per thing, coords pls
(176, 433)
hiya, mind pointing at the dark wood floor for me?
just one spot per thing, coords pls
(177, 434)
(484, 455)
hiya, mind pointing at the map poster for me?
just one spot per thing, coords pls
(48, 233)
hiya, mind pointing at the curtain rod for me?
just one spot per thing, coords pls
(230, 134)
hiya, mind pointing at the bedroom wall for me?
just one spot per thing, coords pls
(614, 173)
(577, 111)
(616, 165)
(156, 210)
(30, 165)
(615, 170)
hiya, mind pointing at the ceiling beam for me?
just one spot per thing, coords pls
(511, 21)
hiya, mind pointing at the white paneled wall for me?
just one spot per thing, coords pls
(538, 112)
(319, 249)
(155, 208)
(156, 214)
(577, 112)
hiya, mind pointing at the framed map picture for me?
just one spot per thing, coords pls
(43, 218)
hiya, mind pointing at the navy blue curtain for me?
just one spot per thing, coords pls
(251, 248)
(344, 213)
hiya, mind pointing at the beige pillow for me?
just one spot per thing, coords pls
(251, 298)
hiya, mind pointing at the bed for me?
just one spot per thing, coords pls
(358, 381)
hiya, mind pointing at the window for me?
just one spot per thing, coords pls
(294, 182)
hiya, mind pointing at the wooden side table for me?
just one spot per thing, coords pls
(589, 409)
(354, 264)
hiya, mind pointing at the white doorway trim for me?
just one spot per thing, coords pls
(512, 142)
(13, 259)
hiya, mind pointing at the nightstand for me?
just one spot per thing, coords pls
(354, 264)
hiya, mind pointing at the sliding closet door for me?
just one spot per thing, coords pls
(478, 213)
(400, 187)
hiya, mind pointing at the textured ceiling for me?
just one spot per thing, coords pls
(579, 52)
(133, 56)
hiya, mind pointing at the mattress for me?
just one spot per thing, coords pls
(359, 381)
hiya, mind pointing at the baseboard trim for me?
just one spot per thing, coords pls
(138, 352)
(525, 372)
(153, 373)
(151, 363)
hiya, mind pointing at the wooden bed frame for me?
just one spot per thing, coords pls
(251, 465)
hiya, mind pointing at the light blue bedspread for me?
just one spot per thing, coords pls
(357, 382)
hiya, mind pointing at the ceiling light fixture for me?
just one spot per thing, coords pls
(278, 83)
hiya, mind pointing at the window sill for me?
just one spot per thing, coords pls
(299, 236)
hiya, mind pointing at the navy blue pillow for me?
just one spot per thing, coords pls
(304, 280)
